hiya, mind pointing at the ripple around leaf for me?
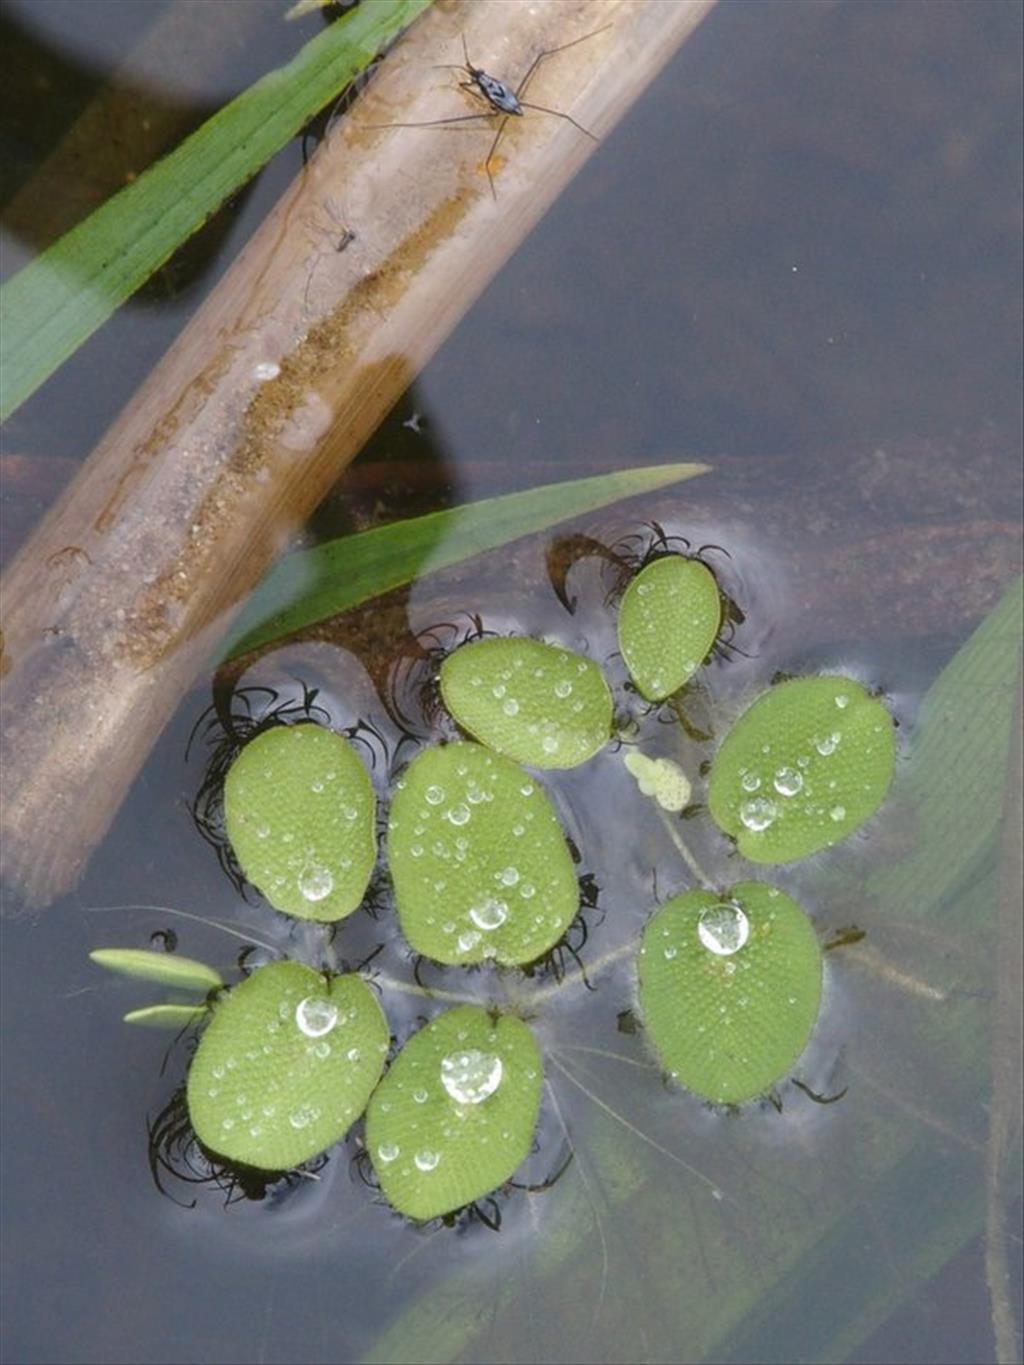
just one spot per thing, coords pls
(300, 811)
(533, 702)
(670, 616)
(434, 1155)
(730, 1026)
(480, 865)
(262, 1090)
(802, 768)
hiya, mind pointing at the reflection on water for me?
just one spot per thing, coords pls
(806, 242)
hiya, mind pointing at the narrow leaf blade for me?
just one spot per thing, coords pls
(165, 1016)
(63, 296)
(168, 969)
(313, 585)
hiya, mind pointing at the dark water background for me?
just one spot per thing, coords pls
(800, 249)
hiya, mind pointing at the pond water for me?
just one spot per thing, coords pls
(805, 240)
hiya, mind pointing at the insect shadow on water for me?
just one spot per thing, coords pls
(504, 102)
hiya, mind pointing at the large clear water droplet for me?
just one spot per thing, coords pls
(388, 1151)
(723, 929)
(315, 882)
(470, 1076)
(788, 781)
(459, 814)
(758, 814)
(316, 1016)
(490, 913)
(426, 1160)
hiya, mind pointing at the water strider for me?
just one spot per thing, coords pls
(504, 102)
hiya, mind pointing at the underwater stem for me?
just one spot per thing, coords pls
(691, 862)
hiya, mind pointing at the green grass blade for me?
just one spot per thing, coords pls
(165, 1016)
(52, 306)
(168, 969)
(313, 585)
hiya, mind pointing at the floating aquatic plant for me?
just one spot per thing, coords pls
(729, 983)
(534, 702)
(286, 1065)
(730, 988)
(300, 813)
(480, 865)
(669, 619)
(804, 767)
(455, 1115)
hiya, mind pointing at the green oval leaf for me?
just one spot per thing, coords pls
(185, 973)
(300, 812)
(805, 766)
(166, 1016)
(480, 865)
(730, 989)
(533, 702)
(454, 1116)
(286, 1066)
(670, 617)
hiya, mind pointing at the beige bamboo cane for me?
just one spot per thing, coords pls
(114, 605)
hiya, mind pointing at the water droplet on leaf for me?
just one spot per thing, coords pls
(471, 1076)
(723, 929)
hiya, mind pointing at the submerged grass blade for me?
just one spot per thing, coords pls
(167, 968)
(165, 1016)
(52, 306)
(312, 585)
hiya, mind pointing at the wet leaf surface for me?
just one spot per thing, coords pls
(808, 763)
(300, 811)
(480, 865)
(534, 702)
(670, 617)
(454, 1117)
(286, 1066)
(730, 988)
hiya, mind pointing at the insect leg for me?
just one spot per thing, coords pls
(430, 123)
(557, 113)
(490, 154)
(550, 52)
